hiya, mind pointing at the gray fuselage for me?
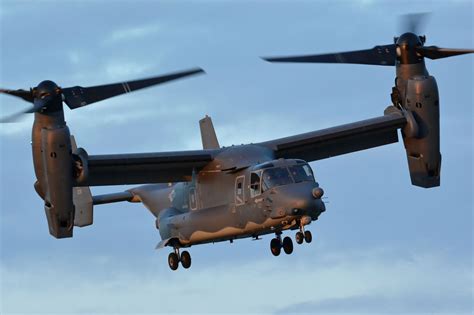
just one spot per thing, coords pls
(244, 192)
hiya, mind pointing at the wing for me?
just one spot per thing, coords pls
(325, 143)
(144, 168)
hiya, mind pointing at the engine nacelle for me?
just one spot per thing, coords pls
(423, 149)
(57, 181)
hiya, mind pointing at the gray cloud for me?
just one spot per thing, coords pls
(460, 303)
(131, 33)
(368, 281)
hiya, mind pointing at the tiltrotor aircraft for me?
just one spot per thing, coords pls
(227, 193)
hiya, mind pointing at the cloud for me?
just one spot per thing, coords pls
(74, 57)
(21, 126)
(365, 3)
(132, 33)
(123, 69)
(372, 281)
(380, 304)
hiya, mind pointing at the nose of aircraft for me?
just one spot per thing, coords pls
(301, 198)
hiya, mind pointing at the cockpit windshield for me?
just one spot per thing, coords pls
(266, 176)
(301, 173)
(277, 176)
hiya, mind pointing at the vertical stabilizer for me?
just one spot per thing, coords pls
(208, 134)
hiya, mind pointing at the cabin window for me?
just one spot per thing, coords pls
(274, 177)
(192, 199)
(239, 190)
(255, 184)
(301, 173)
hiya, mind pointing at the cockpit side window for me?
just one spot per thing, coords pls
(301, 173)
(255, 184)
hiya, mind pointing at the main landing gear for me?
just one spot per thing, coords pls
(277, 244)
(175, 258)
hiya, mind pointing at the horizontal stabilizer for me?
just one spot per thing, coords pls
(162, 243)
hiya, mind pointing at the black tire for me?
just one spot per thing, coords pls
(185, 260)
(275, 246)
(288, 245)
(308, 237)
(299, 238)
(173, 261)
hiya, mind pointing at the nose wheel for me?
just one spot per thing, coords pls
(299, 238)
(276, 244)
(303, 236)
(175, 258)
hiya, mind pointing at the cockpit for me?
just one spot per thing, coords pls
(267, 175)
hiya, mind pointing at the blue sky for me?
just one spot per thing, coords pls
(383, 246)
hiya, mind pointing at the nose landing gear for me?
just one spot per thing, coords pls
(277, 244)
(303, 235)
(299, 238)
(175, 258)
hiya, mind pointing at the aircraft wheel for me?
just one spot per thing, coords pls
(173, 261)
(185, 259)
(299, 237)
(308, 237)
(275, 246)
(288, 245)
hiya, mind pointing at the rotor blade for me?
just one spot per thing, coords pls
(413, 22)
(12, 118)
(33, 109)
(78, 96)
(434, 52)
(379, 55)
(23, 94)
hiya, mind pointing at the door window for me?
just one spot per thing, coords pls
(192, 199)
(239, 190)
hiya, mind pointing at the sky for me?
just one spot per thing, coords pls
(382, 247)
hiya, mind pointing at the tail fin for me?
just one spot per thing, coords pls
(208, 134)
